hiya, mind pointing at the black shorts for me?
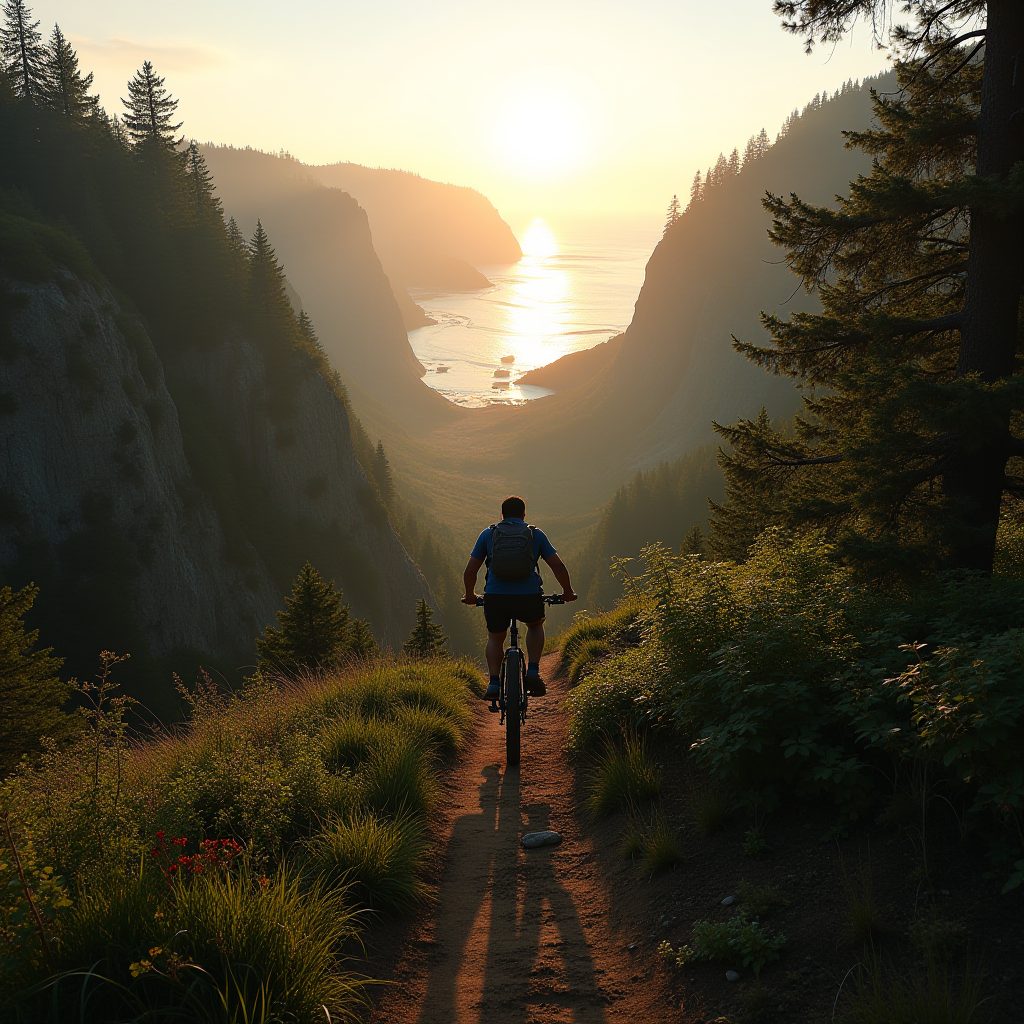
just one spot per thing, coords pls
(501, 609)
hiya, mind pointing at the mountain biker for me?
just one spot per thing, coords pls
(514, 589)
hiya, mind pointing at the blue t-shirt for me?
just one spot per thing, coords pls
(532, 584)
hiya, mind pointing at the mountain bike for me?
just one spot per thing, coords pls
(513, 700)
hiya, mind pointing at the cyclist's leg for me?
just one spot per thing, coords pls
(495, 651)
(535, 640)
(535, 648)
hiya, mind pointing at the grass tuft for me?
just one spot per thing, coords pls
(625, 776)
(660, 849)
(380, 858)
(710, 808)
(884, 996)
(761, 901)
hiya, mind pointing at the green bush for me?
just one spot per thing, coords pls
(789, 673)
(738, 941)
(618, 695)
(591, 638)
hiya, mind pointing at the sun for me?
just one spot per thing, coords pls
(540, 134)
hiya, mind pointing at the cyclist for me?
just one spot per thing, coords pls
(514, 589)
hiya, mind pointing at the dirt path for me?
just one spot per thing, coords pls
(521, 937)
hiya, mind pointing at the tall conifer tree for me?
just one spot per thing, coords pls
(201, 189)
(150, 110)
(675, 211)
(427, 639)
(67, 90)
(382, 476)
(313, 629)
(970, 418)
(23, 52)
(696, 190)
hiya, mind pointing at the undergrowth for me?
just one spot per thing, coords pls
(218, 873)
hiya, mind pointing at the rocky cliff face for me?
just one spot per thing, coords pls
(322, 237)
(162, 520)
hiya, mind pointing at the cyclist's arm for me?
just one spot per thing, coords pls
(469, 579)
(562, 575)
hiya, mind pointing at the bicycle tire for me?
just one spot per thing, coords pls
(513, 699)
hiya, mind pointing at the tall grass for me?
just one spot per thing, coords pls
(325, 783)
(625, 776)
(591, 638)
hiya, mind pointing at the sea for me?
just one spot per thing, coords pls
(574, 288)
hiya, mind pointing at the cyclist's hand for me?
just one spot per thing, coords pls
(570, 595)
(471, 599)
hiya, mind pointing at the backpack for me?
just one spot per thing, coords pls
(512, 558)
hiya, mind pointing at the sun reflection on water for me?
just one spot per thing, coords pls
(567, 293)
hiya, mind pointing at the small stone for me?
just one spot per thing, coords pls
(945, 892)
(534, 839)
(732, 976)
(632, 947)
(728, 901)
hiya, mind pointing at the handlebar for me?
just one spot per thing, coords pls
(548, 599)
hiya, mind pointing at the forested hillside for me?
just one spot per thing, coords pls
(178, 444)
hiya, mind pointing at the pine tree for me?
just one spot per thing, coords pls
(427, 640)
(382, 476)
(314, 628)
(67, 91)
(972, 445)
(734, 162)
(696, 190)
(763, 143)
(693, 542)
(361, 641)
(268, 300)
(754, 488)
(205, 204)
(675, 211)
(149, 110)
(750, 153)
(721, 169)
(891, 411)
(31, 694)
(23, 52)
(118, 132)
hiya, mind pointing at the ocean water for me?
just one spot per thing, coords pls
(575, 287)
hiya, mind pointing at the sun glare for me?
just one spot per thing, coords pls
(540, 135)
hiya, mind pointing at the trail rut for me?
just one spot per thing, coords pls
(521, 937)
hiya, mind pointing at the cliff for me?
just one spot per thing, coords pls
(168, 521)
(322, 237)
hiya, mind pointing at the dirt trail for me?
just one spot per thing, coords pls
(521, 937)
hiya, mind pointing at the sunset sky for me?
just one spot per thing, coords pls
(549, 107)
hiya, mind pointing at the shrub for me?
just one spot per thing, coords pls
(380, 858)
(736, 941)
(591, 638)
(618, 695)
(625, 776)
(342, 761)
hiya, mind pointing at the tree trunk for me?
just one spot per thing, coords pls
(973, 479)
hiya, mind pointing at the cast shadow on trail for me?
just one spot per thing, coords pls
(498, 960)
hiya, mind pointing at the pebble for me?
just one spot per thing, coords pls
(632, 947)
(728, 901)
(534, 839)
(732, 976)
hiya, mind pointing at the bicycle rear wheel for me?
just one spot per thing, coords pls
(513, 701)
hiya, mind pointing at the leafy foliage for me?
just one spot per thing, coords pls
(738, 940)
